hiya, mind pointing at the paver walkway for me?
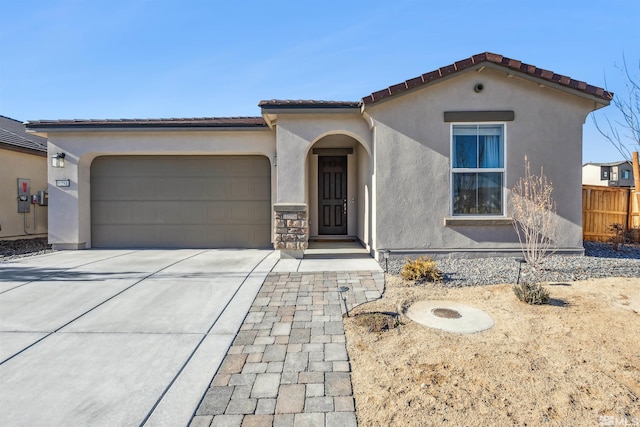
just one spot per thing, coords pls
(288, 365)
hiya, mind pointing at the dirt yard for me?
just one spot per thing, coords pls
(573, 362)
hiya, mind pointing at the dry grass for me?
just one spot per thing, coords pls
(566, 363)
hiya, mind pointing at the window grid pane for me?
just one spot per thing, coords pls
(465, 193)
(477, 193)
(477, 169)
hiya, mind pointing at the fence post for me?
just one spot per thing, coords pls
(634, 196)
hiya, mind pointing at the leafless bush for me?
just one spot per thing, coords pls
(534, 216)
(618, 238)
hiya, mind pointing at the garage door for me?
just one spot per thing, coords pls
(181, 202)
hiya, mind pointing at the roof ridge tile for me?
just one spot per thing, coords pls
(510, 63)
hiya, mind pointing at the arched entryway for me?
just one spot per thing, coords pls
(339, 171)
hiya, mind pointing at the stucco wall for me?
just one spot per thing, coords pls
(297, 135)
(14, 165)
(70, 218)
(591, 175)
(413, 151)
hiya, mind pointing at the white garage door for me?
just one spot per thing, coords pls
(181, 202)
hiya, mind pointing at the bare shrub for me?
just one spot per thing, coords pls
(534, 216)
(619, 235)
(531, 293)
(423, 268)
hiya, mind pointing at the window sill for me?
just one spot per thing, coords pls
(476, 221)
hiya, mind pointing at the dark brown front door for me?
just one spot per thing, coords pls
(332, 194)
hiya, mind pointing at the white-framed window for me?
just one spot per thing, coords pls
(478, 169)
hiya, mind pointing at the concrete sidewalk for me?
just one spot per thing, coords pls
(330, 256)
(288, 365)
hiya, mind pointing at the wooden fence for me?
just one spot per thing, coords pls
(604, 206)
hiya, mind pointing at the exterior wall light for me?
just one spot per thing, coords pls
(57, 161)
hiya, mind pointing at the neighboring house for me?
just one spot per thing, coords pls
(613, 174)
(23, 160)
(424, 166)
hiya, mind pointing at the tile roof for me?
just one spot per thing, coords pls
(216, 122)
(14, 136)
(307, 103)
(488, 57)
(276, 104)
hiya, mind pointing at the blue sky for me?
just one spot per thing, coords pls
(64, 59)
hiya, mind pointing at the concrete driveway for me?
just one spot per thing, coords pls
(119, 337)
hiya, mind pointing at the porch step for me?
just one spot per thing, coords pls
(335, 249)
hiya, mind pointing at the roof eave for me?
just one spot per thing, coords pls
(24, 150)
(381, 97)
(541, 82)
(479, 63)
(297, 109)
(270, 112)
(46, 128)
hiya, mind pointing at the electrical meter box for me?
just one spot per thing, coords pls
(43, 198)
(24, 195)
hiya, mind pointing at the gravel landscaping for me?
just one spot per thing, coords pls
(600, 261)
(12, 249)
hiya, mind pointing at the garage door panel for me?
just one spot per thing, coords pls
(158, 213)
(218, 212)
(181, 201)
(124, 188)
(108, 212)
(247, 213)
(180, 188)
(170, 213)
(218, 189)
(262, 214)
(173, 236)
(247, 189)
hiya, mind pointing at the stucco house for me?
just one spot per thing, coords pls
(611, 174)
(23, 173)
(423, 166)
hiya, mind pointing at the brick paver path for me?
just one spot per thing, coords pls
(288, 365)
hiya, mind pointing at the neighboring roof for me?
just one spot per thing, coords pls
(209, 122)
(618, 163)
(13, 136)
(489, 58)
(308, 103)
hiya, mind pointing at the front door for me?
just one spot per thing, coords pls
(332, 194)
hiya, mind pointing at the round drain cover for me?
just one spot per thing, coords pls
(450, 316)
(446, 313)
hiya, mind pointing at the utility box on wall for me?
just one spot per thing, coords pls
(24, 195)
(43, 198)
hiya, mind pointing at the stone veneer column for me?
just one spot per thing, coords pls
(291, 229)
